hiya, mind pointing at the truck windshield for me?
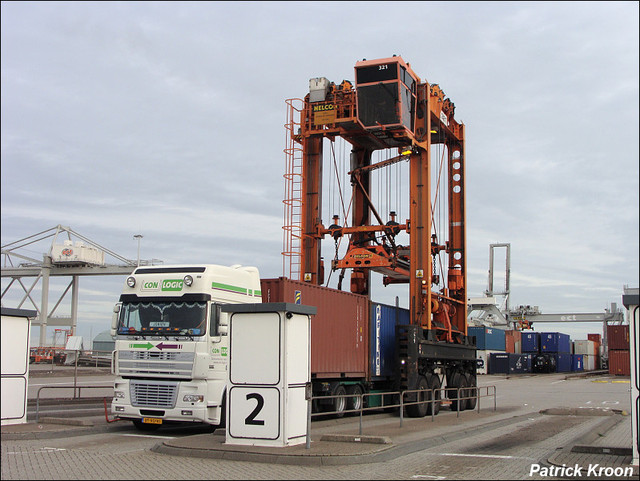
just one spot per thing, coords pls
(176, 318)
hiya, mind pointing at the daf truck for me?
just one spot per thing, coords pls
(171, 344)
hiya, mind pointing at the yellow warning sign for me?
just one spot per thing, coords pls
(324, 114)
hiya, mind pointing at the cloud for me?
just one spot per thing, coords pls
(166, 119)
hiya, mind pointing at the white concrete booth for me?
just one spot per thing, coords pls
(14, 334)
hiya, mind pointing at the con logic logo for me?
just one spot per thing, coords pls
(172, 285)
(166, 285)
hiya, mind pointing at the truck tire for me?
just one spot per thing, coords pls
(458, 380)
(434, 383)
(339, 404)
(354, 403)
(472, 390)
(419, 410)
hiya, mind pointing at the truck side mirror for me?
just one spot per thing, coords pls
(114, 319)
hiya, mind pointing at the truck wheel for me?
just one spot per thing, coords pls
(145, 427)
(419, 410)
(458, 380)
(434, 383)
(354, 403)
(472, 390)
(339, 404)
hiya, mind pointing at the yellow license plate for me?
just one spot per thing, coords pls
(152, 420)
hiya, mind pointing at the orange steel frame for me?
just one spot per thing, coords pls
(444, 311)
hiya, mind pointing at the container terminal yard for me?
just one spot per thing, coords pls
(339, 384)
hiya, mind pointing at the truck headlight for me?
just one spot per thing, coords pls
(193, 398)
(118, 394)
(131, 281)
(188, 280)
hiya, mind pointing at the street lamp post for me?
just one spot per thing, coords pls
(138, 236)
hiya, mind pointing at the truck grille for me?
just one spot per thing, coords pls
(144, 363)
(154, 393)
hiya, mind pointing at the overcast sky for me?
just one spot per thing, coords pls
(166, 120)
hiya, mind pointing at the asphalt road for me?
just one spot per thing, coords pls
(506, 452)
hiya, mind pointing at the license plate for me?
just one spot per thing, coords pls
(152, 420)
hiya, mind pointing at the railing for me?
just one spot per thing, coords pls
(74, 387)
(428, 395)
(88, 357)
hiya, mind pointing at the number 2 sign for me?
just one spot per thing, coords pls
(255, 413)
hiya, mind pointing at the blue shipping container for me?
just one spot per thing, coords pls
(510, 363)
(520, 363)
(555, 342)
(530, 342)
(488, 338)
(499, 363)
(577, 362)
(563, 362)
(384, 319)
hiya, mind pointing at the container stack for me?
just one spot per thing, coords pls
(555, 353)
(597, 339)
(489, 340)
(618, 350)
(510, 359)
(589, 352)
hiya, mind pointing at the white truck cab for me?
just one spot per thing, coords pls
(170, 357)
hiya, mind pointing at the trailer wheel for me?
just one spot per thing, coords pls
(434, 383)
(339, 404)
(419, 410)
(472, 382)
(354, 403)
(458, 380)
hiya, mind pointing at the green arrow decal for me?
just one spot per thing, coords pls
(147, 346)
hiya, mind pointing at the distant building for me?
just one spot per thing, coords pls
(104, 342)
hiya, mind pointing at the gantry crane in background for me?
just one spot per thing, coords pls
(393, 110)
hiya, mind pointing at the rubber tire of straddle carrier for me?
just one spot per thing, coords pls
(419, 410)
(434, 383)
(458, 380)
(472, 390)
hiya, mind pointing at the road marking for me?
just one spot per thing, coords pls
(149, 436)
(492, 456)
(420, 476)
(621, 382)
(556, 382)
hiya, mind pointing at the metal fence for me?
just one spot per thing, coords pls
(57, 356)
(77, 393)
(428, 399)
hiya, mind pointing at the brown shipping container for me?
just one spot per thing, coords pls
(339, 331)
(618, 337)
(595, 338)
(619, 362)
(509, 342)
(513, 340)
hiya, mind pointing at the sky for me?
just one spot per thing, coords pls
(166, 119)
